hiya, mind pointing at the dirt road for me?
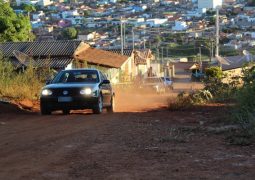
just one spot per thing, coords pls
(143, 140)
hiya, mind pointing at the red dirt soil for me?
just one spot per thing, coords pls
(142, 140)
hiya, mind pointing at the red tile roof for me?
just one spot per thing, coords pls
(101, 57)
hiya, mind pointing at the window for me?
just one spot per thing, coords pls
(77, 76)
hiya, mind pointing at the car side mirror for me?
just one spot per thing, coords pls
(106, 81)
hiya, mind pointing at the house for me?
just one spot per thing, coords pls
(117, 67)
(155, 22)
(38, 15)
(141, 60)
(54, 54)
(179, 26)
(232, 66)
(66, 14)
(67, 54)
(37, 24)
(41, 3)
(75, 20)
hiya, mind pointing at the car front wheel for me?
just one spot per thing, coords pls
(45, 110)
(98, 109)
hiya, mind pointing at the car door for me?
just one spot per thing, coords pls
(106, 90)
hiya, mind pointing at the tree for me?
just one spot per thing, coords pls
(28, 8)
(69, 33)
(13, 27)
(157, 40)
(86, 13)
(212, 20)
(214, 72)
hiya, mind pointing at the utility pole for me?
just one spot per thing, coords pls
(144, 40)
(200, 59)
(162, 56)
(121, 36)
(158, 54)
(133, 37)
(124, 32)
(199, 53)
(212, 48)
(217, 31)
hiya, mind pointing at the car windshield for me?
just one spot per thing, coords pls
(77, 76)
(152, 80)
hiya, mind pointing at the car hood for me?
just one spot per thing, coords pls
(71, 85)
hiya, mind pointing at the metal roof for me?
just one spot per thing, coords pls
(55, 62)
(41, 48)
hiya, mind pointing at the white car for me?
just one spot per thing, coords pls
(154, 84)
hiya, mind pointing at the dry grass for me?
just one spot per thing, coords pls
(17, 85)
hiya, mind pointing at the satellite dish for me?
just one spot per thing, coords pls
(247, 55)
(23, 58)
(222, 60)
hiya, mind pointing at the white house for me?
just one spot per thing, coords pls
(113, 1)
(42, 3)
(191, 14)
(66, 14)
(155, 22)
(88, 37)
(75, 20)
(251, 19)
(234, 44)
(135, 21)
(38, 15)
(180, 26)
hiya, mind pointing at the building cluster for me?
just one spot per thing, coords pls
(98, 22)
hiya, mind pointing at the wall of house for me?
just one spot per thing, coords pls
(126, 70)
(142, 70)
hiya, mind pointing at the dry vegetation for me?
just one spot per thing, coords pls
(18, 84)
(238, 94)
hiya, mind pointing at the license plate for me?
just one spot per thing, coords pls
(65, 99)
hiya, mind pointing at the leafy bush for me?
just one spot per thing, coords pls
(214, 72)
(221, 90)
(187, 100)
(244, 112)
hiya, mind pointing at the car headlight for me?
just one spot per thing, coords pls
(46, 92)
(86, 91)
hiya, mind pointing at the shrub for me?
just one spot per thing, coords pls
(18, 85)
(214, 72)
(244, 112)
(221, 90)
(187, 100)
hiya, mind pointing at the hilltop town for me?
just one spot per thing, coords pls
(154, 24)
(131, 38)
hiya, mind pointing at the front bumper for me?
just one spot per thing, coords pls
(74, 103)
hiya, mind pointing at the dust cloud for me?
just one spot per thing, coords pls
(133, 99)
